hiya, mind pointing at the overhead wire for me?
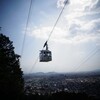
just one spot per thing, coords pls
(52, 30)
(27, 21)
(57, 21)
(92, 53)
(34, 64)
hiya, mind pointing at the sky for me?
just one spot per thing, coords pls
(74, 43)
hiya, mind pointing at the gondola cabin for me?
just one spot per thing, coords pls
(45, 55)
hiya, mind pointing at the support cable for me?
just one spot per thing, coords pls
(86, 59)
(23, 43)
(57, 21)
(52, 29)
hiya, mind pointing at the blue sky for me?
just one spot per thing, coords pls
(75, 41)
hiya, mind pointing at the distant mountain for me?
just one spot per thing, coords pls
(88, 73)
(38, 73)
(43, 73)
(97, 70)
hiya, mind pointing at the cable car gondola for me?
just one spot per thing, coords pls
(45, 55)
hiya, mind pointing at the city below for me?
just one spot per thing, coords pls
(49, 83)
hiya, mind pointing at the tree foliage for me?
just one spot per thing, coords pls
(11, 76)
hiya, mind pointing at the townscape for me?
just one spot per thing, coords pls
(53, 83)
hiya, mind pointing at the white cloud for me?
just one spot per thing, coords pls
(72, 29)
(61, 3)
(64, 36)
(93, 5)
(44, 32)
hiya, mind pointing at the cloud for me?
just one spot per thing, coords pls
(94, 5)
(44, 32)
(77, 26)
(85, 27)
(61, 3)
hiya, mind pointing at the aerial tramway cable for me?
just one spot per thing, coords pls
(92, 53)
(27, 21)
(57, 20)
(51, 31)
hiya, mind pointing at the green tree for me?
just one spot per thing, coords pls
(11, 75)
